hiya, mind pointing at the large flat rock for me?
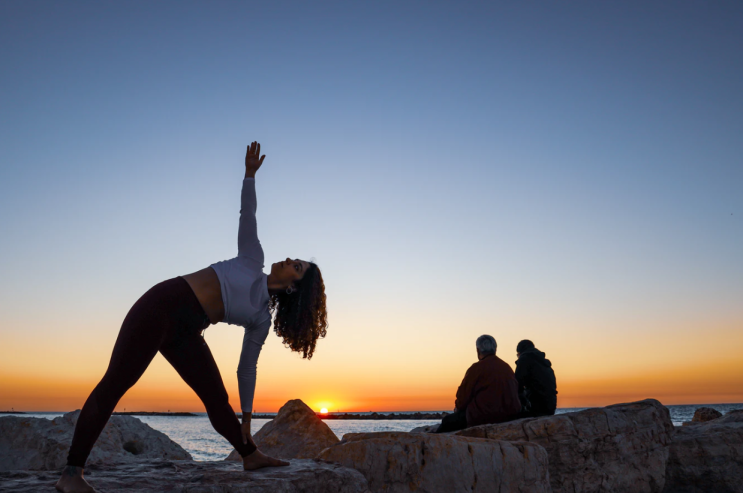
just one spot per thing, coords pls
(155, 476)
(425, 463)
(38, 443)
(619, 448)
(707, 456)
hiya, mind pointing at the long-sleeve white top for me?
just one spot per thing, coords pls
(245, 294)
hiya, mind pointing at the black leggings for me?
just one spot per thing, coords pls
(169, 319)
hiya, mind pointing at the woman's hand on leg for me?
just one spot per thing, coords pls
(247, 436)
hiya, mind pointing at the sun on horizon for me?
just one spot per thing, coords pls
(324, 411)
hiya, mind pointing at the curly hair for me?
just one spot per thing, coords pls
(301, 317)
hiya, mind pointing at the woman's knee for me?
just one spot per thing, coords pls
(113, 387)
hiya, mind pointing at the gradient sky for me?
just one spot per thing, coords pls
(571, 174)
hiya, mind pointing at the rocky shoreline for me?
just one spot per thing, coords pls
(631, 447)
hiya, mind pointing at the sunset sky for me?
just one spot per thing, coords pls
(567, 173)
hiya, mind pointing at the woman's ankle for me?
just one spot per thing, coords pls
(72, 471)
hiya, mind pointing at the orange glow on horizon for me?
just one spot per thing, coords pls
(693, 369)
(38, 394)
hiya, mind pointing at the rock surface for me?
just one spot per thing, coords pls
(704, 414)
(295, 433)
(395, 462)
(426, 429)
(619, 448)
(155, 476)
(707, 456)
(38, 443)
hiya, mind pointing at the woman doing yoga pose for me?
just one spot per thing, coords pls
(171, 316)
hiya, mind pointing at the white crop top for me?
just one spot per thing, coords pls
(245, 294)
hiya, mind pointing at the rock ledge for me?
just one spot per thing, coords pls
(302, 476)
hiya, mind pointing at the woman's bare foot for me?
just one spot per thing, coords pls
(258, 460)
(72, 481)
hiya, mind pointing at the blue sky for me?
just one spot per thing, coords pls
(454, 168)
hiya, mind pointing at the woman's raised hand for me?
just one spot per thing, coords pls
(253, 159)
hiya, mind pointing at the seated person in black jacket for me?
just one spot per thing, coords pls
(537, 385)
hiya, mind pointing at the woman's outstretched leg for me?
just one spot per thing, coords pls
(140, 337)
(194, 362)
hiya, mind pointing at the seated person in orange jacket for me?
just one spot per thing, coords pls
(488, 394)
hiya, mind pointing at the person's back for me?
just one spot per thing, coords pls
(536, 379)
(489, 392)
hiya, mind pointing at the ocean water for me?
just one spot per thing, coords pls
(195, 433)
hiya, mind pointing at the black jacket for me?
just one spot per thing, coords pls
(537, 385)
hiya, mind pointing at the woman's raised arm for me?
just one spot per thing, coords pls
(248, 245)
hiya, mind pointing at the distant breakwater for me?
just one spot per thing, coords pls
(151, 413)
(362, 416)
(368, 416)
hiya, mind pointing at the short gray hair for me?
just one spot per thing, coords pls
(486, 344)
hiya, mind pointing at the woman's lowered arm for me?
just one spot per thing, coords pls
(247, 372)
